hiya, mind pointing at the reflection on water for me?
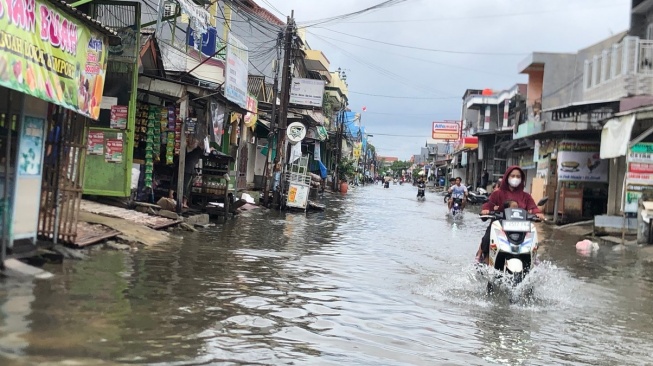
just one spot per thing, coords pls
(377, 278)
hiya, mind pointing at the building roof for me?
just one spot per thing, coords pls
(87, 20)
(253, 8)
(387, 159)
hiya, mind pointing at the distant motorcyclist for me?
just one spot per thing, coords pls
(458, 191)
(511, 190)
(421, 186)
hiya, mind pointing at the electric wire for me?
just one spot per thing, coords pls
(383, 71)
(427, 49)
(413, 58)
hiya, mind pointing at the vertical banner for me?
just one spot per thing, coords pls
(317, 152)
(218, 111)
(506, 110)
(639, 177)
(486, 120)
(235, 88)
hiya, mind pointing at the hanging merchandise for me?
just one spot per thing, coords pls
(217, 121)
(177, 132)
(141, 124)
(170, 135)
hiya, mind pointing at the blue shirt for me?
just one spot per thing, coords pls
(458, 191)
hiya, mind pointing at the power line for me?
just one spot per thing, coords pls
(412, 58)
(393, 135)
(382, 5)
(426, 49)
(380, 69)
(494, 16)
(400, 97)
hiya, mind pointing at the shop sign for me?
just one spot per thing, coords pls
(641, 153)
(308, 92)
(191, 126)
(446, 130)
(235, 87)
(580, 161)
(296, 132)
(633, 193)
(114, 151)
(52, 56)
(95, 145)
(119, 115)
(639, 176)
(252, 111)
(31, 147)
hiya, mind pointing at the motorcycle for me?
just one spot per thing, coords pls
(421, 188)
(386, 184)
(477, 197)
(513, 244)
(457, 207)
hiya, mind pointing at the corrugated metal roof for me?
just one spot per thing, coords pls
(92, 23)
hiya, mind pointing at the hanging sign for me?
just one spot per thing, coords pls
(235, 84)
(50, 55)
(447, 130)
(296, 132)
(252, 110)
(119, 116)
(95, 144)
(191, 126)
(114, 151)
(308, 92)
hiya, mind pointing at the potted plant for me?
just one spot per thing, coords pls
(345, 170)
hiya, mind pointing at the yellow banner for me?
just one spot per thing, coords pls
(50, 55)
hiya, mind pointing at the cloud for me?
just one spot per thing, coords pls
(498, 26)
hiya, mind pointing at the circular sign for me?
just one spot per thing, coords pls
(296, 132)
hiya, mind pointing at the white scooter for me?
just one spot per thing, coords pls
(513, 244)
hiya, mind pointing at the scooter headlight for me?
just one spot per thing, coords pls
(516, 237)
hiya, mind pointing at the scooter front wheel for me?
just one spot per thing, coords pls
(490, 289)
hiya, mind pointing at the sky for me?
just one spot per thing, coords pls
(479, 45)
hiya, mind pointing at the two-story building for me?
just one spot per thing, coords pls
(489, 116)
(569, 94)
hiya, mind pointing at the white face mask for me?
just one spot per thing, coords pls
(514, 182)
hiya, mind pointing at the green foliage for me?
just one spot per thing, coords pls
(346, 169)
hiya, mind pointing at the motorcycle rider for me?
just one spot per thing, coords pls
(421, 186)
(458, 191)
(511, 189)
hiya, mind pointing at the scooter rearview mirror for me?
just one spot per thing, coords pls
(543, 201)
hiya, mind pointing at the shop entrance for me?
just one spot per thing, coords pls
(61, 193)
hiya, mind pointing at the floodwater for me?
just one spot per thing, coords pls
(377, 279)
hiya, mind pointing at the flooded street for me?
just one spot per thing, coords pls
(377, 279)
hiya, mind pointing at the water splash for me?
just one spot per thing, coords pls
(545, 288)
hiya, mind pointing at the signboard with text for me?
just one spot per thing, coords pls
(235, 85)
(639, 176)
(50, 55)
(446, 130)
(307, 92)
(580, 161)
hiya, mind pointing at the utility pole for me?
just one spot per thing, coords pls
(273, 123)
(340, 118)
(285, 99)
